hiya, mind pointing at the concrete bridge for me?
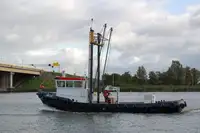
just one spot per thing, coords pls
(12, 75)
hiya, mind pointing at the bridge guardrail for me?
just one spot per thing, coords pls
(20, 67)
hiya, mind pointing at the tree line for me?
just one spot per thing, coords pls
(176, 74)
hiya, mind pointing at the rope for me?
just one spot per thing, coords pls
(107, 53)
(102, 42)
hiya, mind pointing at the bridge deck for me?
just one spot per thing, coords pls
(19, 69)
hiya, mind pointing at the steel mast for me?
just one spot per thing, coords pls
(90, 68)
(99, 42)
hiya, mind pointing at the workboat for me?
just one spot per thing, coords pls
(76, 94)
(72, 95)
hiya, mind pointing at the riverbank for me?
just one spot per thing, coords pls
(144, 88)
(47, 78)
(161, 88)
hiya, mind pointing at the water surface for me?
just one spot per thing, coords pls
(24, 113)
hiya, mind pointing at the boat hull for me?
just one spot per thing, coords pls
(65, 104)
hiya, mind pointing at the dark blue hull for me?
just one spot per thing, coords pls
(65, 104)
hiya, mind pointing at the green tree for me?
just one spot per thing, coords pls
(153, 78)
(175, 73)
(135, 80)
(116, 79)
(126, 78)
(195, 76)
(141, 75)
(106, 79)
(188, 76)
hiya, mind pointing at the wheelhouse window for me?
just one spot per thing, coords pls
(69, 83)
(61, 83)
(78, 83)
(75, 84)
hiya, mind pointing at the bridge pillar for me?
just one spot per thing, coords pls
(11, 79)
(4, 81)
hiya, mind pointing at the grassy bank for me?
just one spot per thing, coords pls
(47, 78)
(33, 87)
(33, 84)
(160, 88)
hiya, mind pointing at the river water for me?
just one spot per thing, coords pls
(24, 113)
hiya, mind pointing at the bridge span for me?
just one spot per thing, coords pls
(12, 76)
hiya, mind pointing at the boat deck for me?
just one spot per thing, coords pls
(101, 102)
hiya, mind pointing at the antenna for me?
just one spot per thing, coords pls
(92, 21)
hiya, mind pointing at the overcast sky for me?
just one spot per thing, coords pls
(146, 32)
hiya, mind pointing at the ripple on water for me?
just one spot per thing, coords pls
(25, 113)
